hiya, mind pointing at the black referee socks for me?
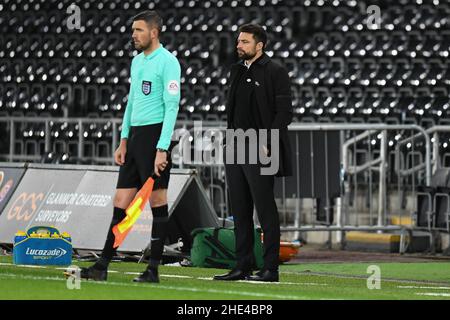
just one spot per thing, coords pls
(108, 251)
(159, 233)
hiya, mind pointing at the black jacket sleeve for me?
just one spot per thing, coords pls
(283, 99)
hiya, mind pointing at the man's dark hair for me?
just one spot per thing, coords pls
(152, 18)
(257, 31)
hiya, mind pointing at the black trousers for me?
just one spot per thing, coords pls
(248, 188)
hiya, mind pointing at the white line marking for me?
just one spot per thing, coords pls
(161, 275)
(159, 286)
(31, 266)
(348, 276)
(433, 294)
(266, 283)
(416, 287)
(190, 277)
(23, 265)
(283, 283)
(133, 273)
(12, 275)
(176, 276)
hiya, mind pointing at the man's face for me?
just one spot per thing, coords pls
(143, 35)
(246, 46)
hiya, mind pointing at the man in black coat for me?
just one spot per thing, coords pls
(259, 99)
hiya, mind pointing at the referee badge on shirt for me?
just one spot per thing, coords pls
(146, 87)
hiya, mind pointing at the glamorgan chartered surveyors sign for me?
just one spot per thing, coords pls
(77, 201)
(58, 198)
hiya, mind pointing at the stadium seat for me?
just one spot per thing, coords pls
(340, 70)
(433, 199)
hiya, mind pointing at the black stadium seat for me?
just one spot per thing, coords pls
(340, 69)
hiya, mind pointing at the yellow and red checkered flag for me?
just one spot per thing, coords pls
(133, 212)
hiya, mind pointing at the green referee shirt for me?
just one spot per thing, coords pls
(154, 93)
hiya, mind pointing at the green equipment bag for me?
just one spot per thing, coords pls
(215, 248)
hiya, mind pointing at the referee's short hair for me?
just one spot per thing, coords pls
(152, 18)
(256, 30)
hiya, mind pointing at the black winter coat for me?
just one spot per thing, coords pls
(274, 101)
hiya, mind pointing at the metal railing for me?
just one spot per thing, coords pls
(352, 169)
(378, 164)
(13, 123)
(351, 136)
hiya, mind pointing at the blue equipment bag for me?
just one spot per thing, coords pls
(42, 245)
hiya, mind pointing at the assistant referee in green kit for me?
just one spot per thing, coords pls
(147, 128)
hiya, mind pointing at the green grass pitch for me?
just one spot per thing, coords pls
(429, 280)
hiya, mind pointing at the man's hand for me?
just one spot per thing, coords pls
(119, 154)
(160, 162)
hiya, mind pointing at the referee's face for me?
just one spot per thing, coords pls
(246, 46)
(142, 35)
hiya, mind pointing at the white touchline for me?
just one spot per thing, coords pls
(31, 266)
(345, 276)
(433, 294)
(5, 264)
(133, 273)
(158, 286)
(415, 287)
(12, 275)
(176, 276)
(185, 277)
(271, 283)
(161, 275)
(283, 283)
(23, 265)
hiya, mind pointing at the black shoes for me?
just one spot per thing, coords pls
(264, 275)
(234, 274)
(149, 275)
(92, 273)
